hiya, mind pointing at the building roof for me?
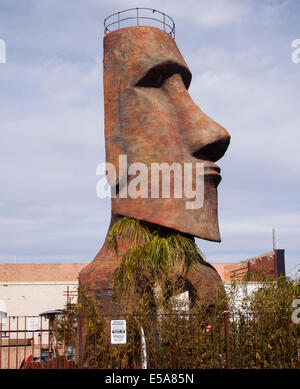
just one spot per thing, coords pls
(61, 272)
(270, 254)
(40, 272)
(228, 271)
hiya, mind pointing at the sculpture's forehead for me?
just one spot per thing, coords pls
(135, 50)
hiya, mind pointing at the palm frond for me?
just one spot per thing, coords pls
(151, 258)
(185, 249)
(129, 230)
(135, 262)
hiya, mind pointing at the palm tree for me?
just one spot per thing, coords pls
(155, 266)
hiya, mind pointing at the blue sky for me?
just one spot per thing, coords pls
(51, 122)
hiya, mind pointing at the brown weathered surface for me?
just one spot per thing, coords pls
(98, 278)
(158, 124)
(150, 117)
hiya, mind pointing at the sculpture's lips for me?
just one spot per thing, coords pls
(212, 171)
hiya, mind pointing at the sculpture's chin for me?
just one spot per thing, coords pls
(172, 213)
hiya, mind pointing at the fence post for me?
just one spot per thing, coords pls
(80, 356)
(227, 341)
(1, 341)
(174, 361)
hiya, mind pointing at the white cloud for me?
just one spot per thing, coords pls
(207, 14)
(202, 13)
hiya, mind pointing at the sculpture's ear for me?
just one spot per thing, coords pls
(113, 137)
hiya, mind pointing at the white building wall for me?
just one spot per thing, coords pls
(239, 292)
(33, 298)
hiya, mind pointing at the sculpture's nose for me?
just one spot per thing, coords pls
(205, 138)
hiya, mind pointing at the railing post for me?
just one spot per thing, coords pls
(227, 340)
(17, 342)
(1, 341)
(80, 339)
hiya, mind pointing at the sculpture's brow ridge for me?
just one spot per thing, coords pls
(156, 75)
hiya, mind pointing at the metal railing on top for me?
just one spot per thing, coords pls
(166, 23)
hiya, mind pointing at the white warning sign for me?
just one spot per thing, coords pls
(118, 331)
(33, 323)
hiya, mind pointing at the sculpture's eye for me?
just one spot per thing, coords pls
(156, 76)
(157, 83)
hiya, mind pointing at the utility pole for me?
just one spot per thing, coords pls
(273, 237)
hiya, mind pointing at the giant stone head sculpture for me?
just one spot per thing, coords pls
(151, 118)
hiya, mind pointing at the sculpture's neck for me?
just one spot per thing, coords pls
(163, 231)
(124, 245)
